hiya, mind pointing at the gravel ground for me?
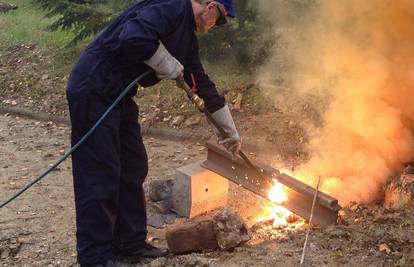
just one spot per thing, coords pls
(38, 228)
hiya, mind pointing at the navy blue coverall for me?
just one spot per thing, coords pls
(110, 168)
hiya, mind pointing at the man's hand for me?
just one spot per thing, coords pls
(165, 65)
(233, 141)
(231, 144)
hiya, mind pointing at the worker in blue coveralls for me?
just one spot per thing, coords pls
(110, 167)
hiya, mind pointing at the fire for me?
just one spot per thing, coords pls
(274, 211)
(277, 194)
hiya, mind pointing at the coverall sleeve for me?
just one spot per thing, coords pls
(140, 35)
(194, 72)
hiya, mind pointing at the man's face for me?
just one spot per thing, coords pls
(209, 16)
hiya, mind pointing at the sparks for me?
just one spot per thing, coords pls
(277, 193)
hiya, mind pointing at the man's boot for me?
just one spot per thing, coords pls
(111, 263)
(144, 252)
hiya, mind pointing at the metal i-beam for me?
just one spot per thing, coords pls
(299, 195)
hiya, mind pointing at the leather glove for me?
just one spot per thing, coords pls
(225, 120)
(165, 65)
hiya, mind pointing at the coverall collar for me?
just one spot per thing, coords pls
(191, 17)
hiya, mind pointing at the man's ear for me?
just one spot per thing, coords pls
(211, 5)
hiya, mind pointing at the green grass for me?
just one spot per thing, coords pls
(28, 24)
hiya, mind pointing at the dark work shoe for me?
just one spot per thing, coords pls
(146, 251)
(110, 263)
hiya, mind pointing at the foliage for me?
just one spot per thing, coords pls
(83, 17)
(245, 40)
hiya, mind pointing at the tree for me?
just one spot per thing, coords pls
(246, 40)
(242, 39)
(83, 17)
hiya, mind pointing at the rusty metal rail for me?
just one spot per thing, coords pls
(299, 194)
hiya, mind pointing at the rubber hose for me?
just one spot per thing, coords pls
(79, 143)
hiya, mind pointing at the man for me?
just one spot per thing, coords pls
(110, 167)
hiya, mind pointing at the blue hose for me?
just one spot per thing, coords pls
(79, 143)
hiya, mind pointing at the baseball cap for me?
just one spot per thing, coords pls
(228, 4)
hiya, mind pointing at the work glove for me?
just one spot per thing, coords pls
(165, 65)
(233, 142)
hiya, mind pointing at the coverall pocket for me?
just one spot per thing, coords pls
(113, 86)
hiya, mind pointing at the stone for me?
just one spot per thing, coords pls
(5, 253)
(230, 230)
(400, 191)
(409, 169)
(160, 262)
(193, 121)
(177, 120)
(334, 232)
(155, 220)
(163, 206)
(197, 191)
(160, 189)
(167, 119)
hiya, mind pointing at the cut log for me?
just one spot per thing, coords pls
(190, 237)
(225, 231)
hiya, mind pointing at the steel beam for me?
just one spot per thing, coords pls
(299, 194)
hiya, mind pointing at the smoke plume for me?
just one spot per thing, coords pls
(360, 54)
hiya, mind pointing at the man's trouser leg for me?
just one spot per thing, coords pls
(96, 172)
(131, 225)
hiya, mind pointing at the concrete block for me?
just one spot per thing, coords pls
(197, 190)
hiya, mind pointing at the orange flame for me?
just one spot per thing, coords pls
(275, 211)
(276, 193)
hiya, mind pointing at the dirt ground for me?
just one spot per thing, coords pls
(38, 229)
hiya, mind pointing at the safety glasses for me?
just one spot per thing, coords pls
(221, 20)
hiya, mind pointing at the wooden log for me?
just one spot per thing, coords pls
(196, 236)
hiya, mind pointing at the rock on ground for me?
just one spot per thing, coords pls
(160, 189)
(400, 191)
(229, 228)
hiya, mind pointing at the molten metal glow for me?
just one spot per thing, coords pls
(277, 194)
(274, 211)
